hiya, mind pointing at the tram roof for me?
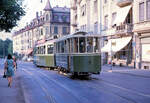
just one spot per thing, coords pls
(77, 34)
(47, 42)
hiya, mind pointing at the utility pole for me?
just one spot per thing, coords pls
(3, 49)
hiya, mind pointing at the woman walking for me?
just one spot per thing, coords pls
(9, 69)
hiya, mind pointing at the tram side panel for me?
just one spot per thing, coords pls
(45, 60)
(62, 61)
(86, 63)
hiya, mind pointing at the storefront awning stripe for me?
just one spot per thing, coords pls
(115, 45)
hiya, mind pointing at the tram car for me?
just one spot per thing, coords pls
(78, 53)
(44, 54)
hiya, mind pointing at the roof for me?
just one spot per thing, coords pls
(48, 6)
(61, 9)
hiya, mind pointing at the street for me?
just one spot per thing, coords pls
(36, 85)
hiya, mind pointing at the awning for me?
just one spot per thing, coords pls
(29, 51)
(115, 45)
(122, 14)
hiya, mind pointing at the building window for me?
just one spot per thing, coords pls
(55, 30)
(106, 22)
(41, 31)
(83, 10)
(113, 17)
(47, 30)
(64, 18)
(95, 6)
(55, 18)
(148, 9)
(96, 28)
(141, 11)
(50, 29)
(47, 17)
(64, 30)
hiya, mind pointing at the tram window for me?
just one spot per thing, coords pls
(62, 47)
(50, 49)
(43, 49)
(76, 45)
(90, 45)
(82, 45)
(58, 47)
(96, 44)
(72, 47)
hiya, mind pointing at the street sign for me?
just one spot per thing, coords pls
(133, 44)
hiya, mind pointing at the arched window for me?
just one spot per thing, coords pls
(47, 17)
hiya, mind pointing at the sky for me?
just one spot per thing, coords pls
(31, 7)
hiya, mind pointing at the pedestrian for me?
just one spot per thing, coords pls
(15, 60)
(9, 69)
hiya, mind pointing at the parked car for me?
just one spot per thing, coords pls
(29, 59)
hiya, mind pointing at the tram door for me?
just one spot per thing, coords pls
(69, 55)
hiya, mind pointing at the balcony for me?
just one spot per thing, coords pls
(124, 29)
(122, 3)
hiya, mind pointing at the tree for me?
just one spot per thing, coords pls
(6, 47)
(10, 12)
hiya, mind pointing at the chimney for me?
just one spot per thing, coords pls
(37, 15)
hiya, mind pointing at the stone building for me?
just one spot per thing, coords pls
(85, 16)
(141, 18)
(51, 23)
(117, 21)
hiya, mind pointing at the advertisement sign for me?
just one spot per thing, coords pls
(146, 52)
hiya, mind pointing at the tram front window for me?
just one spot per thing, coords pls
(82, 45)
(76, 45)
(90, 45)
(62, 47)
(96, 44)
(50, 49)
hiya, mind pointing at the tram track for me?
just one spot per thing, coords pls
(106, 91)
(97, 86)
(58, 84)
(49, 97)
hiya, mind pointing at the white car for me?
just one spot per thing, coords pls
(29, 59)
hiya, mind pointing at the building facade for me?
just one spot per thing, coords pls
(117, 29)
(141, 30)
(51, 23)
(85, 16)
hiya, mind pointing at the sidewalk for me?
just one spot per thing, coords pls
(13, 94)
(127, 70)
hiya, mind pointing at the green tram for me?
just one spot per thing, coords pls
(44, 54)
(78, 53)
